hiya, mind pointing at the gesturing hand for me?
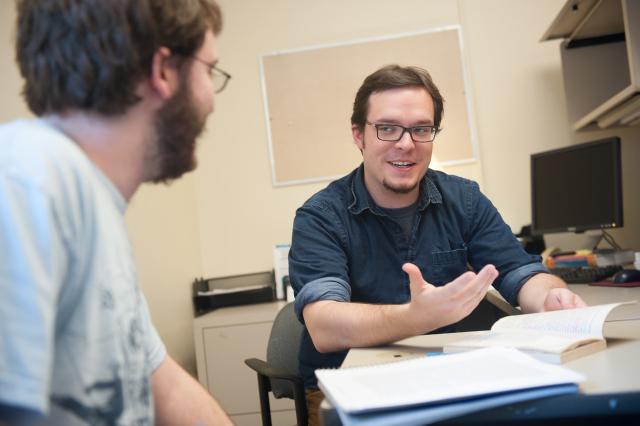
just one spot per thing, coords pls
(434, 307)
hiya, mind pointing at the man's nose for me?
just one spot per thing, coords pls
(405, 142)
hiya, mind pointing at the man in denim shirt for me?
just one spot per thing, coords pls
(384, 253)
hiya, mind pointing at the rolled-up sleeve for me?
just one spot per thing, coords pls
(514, 280)
(329, 288)
(318, 266)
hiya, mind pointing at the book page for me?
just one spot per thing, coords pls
(526, 340)
(628, 312)
(437, 379)
(579, 323)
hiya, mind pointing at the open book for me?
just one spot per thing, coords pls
(556, 336)
(424, 390)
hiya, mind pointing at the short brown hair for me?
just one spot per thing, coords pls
(91, 54)
(392, 77)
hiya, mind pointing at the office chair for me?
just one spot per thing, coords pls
(279, 374)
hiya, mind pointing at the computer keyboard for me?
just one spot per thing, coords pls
(585, 274)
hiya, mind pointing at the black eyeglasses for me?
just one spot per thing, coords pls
(394, 132)
(219, 77)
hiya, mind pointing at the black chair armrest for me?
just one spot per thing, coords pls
(261, 367)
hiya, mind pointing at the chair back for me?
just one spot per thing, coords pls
(283, 349)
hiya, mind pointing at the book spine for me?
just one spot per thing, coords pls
(571, 261)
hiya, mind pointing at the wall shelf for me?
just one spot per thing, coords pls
(600, 61)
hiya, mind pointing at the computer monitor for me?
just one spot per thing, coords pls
(577, 188)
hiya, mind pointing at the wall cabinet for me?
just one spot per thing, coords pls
(224, 338)
(600, 61)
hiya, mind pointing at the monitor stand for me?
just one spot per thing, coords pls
(609, 239)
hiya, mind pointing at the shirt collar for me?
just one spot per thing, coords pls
(361, 200)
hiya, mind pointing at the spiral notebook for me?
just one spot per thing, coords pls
(428, 389)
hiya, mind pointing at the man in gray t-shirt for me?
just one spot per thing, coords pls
(122, 90)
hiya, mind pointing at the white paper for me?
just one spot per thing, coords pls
(281, 267)
(439, 379)
(290, 296)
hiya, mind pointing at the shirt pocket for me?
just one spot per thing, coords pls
(449, 265)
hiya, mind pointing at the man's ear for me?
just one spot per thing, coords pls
(164, 77)
(358, 136)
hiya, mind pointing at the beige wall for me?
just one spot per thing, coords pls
(241, 214)
(224, 218)
(164, 232)
(11, 104)
(520, 109)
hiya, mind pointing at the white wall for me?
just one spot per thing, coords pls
(224, 218)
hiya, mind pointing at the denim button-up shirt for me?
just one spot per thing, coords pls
(345, 248)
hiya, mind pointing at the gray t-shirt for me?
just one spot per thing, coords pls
(77, 345)
(404, 216)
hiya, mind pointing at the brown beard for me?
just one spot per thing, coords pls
(397, 190)
(177, 125)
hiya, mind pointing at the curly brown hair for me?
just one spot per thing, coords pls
(91, 54)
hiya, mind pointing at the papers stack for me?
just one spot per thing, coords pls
(429, 389)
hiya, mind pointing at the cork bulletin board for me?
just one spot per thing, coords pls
(308, 96)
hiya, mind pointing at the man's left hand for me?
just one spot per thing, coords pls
(562, 298)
